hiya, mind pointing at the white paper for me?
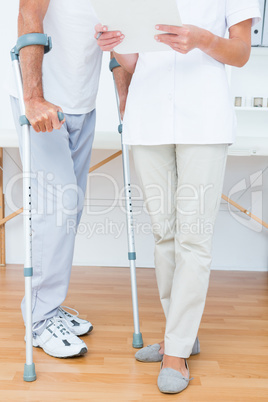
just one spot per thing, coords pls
(137, 19)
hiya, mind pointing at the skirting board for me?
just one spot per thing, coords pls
(213, 268)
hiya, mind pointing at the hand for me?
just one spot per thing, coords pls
(181, 39)
(108, 39)
(43, 115)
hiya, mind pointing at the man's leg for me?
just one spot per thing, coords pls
(81, 136)
(54, 202)
(81, 130)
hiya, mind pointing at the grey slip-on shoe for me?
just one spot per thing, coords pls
(171, 381)
(151, 354)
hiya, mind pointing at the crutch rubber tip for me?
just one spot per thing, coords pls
(137, 341)
(29, 374)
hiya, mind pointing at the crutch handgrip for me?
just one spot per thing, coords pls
(23, 119)
(30, 40)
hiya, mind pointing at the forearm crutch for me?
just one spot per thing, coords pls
(137, 336)
(23, 41)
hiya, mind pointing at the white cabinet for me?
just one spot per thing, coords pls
(257, 30)
(248, 82)
(265, 27)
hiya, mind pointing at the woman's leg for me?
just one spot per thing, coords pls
(156, 169)
(200, 170)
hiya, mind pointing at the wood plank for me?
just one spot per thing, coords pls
(245, 211)
(11, 216)
(102, 163)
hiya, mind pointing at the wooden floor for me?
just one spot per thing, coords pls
(232, 366)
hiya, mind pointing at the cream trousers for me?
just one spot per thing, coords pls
(182, 186)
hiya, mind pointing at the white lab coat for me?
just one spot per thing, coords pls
(184, 99)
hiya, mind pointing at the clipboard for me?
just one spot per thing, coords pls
(137, 19)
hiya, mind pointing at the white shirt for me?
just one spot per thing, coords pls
(184, 99)
(71, 69)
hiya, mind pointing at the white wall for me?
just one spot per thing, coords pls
(238, 243)
(8, 34)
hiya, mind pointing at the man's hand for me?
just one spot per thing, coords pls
(108, 40)
(43, 115)
(181, 39)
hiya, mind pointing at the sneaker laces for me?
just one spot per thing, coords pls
(61, 308)
(56, 320)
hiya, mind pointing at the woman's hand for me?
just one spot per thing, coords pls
(107, 40)
(234, 51)
(182, 39)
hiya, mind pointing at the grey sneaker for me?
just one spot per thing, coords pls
(171, 381)
(151, 353)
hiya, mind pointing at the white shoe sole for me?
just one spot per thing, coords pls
(80, 352)
(90, 329)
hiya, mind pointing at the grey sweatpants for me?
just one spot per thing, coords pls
(59, 164)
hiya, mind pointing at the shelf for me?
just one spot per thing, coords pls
(249, 146)
(252, 109)
(259, 51)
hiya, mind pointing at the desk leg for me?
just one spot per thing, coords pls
(2, 215)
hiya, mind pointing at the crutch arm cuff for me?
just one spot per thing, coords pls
(30, 40)
(113, 64)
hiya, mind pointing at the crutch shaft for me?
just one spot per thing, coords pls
(17, 74)
(134, 298)
(28, 305)
(131, 238)
(137, 336)
(27, 40)
(27, 218)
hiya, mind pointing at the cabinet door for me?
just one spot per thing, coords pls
(265, 26)
(257, 29)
